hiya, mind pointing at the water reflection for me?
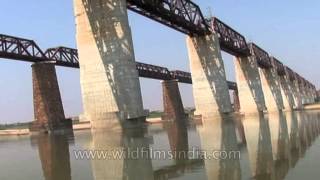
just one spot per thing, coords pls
(54, 155)
(271, 147)
(121, 167)
(259, 147)
(219, 134)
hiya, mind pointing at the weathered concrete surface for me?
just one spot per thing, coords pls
(48, 108)
(286, 92)
(210, 89)
(296, 94)
(109, 79)
(249, 85)
(303, 94)
(172, 103)
(271, 89)
(236, 101)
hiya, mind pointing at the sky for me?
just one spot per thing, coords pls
(286, 29)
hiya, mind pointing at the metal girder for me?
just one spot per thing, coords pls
(20, 49)
(298, 78)
(230, 40)
(279, 66)
(181, 15)
(181, 76)
(261, 56)
(152, 71)
(63, 56)
(290, 73)
(69, 57)
(232, 85)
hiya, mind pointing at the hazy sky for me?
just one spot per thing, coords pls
(287, 29)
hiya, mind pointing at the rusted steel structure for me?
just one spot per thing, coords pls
(63, 56)
(20, 49)
(261, 56)
(230, 40)
(182, 15)
(279, 66)
(27, 50)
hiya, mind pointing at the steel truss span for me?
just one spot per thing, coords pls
(181, 15)
(63, 56)
(20, 49)
(261, 56)
(27, 50)
(230, 40)
(279, 66)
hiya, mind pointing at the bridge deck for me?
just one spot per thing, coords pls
(27, 50)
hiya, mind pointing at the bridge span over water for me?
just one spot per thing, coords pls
(110, 75)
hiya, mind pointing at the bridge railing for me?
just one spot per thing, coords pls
(181, 76)
(290, 73)
(63, 56)
(20, 49)
(152, 71)
(230, 40)
(279, 66)
(261, 56)
(181, 15)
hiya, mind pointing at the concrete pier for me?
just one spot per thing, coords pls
(303, 94)
(271, 89)
(109, 79)
(296, 93)
(172, 103)
(210, 89)
(249, 85)
(48, 109)
(236, 101)
(286, 92)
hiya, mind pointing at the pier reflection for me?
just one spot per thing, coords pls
(131, 165)
(270, 146)
(218, 133)
(54, 155)
(259, 147)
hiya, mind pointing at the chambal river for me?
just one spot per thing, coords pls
(274, 146)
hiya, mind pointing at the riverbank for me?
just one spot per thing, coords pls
(315, 106)
(76, 127)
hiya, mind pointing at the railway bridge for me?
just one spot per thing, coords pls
(109, 73)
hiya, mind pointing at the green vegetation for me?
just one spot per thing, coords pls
(155, 114)
(158, 114)
(14, 126)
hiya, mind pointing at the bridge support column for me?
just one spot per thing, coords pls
(314, 94)
(109, 79)
(303, 94)
(309, 94)
(236, 101)
(271, 89)
(287, 94)
(210, 89)
(48, 108)
(297, 95)
(249, 85)
(172, 103)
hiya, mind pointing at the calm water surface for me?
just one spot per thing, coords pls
(274, 146)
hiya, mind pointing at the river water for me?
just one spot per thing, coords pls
(272, 146)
